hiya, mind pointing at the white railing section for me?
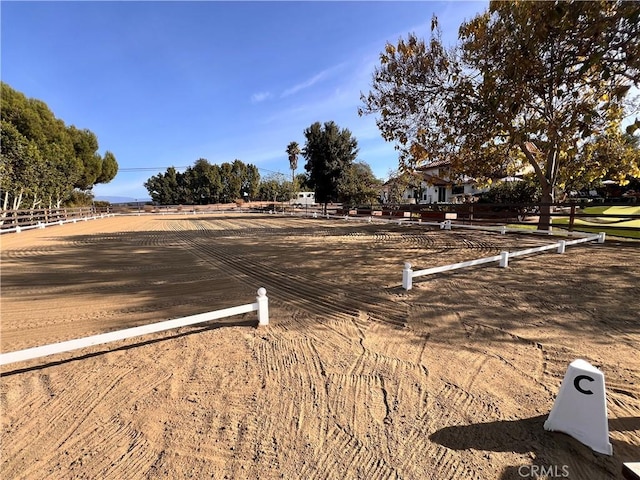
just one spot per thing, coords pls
(261, 306)
(408, 274)
(443, 225)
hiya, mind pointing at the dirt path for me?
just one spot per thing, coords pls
(354, 378)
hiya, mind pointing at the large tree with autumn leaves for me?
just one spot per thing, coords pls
(539, 83)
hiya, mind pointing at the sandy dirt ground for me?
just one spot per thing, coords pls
(354, 378)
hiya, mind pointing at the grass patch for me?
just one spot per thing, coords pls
(523, 226)
(618, 210)
(610, 221)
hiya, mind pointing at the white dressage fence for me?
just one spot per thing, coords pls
(443, 225)
(408, 274)
(261, 306)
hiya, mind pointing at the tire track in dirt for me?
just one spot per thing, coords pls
(443, 463)
(392, 400)
(293, 366)
(17, 254)
(306, 398)
(619, 380)
(64, 326)
(349, 384)
(345, 457)
(370, 405)
(293, 370)
(126, 286)
(312, 295)
(293, 288)
(81, 425)
(209, 411)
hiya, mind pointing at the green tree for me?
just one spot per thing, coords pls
(239, 178)
(65, 157)
(301, 182)
(215, 180)
(274, 188)
(227, 195)
(251, 182)
(204, 183)
(397, 184)
(329, 152)
(358, 185)
(523, 191)
(164, 188)
(293, 150)
(85, 146)
(528, 82)
(236, 180)
(21, 165)
(199, 177)
(109, 168)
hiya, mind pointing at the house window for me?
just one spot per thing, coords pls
(457, 189)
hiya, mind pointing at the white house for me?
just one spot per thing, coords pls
(436, 187)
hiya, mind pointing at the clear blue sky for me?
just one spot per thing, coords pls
(167, 83)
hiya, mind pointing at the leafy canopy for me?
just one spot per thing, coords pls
(358, 185)
(204, 183)
(537, 83)
(42, 160)
(329, 152)
(293, 150)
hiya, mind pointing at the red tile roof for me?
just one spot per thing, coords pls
(434, 164)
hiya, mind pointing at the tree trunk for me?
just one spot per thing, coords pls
(544, 221)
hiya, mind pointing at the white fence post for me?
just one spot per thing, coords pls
(562, 245)
(504, 259)
(601, 237)
(263, 307)
(503, 230)
(407, 277)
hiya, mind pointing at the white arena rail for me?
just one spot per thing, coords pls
(408, 274)
(261, 306)
(443, 225)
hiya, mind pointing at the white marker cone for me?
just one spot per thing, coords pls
(580, 410)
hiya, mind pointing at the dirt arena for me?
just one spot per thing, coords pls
(354, 378)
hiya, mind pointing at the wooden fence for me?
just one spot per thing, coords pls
(19, 220)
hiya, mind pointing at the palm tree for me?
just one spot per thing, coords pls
(293, 150)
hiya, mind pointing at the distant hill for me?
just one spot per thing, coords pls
(116, 199)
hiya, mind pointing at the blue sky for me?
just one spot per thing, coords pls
(167, 83)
